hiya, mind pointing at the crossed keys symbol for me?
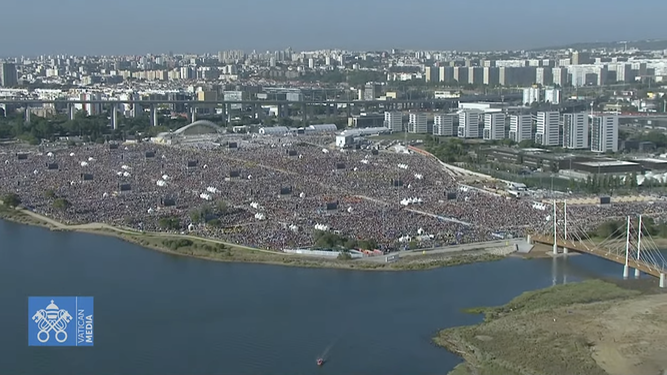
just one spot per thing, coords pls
(46, 323)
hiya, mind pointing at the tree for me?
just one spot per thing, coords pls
(169, 222)
(344, 255)
(11, 200)
(214, 223)
(527, 143)
(609, 229)
(221, 207)
(61, 204)
(633, 180)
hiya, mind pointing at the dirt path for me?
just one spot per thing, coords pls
(101, 226)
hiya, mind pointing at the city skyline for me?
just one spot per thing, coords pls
(206, 26)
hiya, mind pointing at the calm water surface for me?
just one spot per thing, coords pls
(160, 314)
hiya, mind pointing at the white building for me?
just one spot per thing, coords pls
(494, 126)
(443, 124)
(393, 121)
(575, 130)
(531, 95)
(233, 96)
(560, 76)
(552, 95)
(583, 75)
(521, 128)
(274, 130)
(418, 123)
(604, 133)
(469, 123)
(91, 109)
(321, 128)
(548, 129)
(344, 140)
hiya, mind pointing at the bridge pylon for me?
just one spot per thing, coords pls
(629, 244)
(555, 230)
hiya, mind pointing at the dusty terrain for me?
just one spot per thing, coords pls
(589, 328)
(631, 337)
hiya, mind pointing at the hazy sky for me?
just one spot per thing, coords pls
(33, 27)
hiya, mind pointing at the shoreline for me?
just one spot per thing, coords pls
(220, 251)
(535, 331)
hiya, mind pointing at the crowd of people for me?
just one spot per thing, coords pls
(275, 192)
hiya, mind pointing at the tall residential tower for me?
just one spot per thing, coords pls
(604, 133)
(575, 130)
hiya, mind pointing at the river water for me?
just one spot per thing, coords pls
(158, 314)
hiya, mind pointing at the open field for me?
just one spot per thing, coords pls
(216, 250)
(589, 328)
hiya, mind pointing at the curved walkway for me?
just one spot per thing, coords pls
(101, 226)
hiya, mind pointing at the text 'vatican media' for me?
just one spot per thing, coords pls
(51, 322)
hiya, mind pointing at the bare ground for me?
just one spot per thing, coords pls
(620, 332)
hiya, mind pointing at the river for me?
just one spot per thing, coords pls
(158, 314)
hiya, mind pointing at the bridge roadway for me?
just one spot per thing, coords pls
(597, 251)
(471, 98)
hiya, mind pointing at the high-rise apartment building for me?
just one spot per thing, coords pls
(431, 74)
(552, 95)
(575, 130)
(604, 133)
(91, 109)
(579, 58)
(491, 75)
(8, 75)
(443, 125)
(531, 95)
(543, 76)
(548, 129)
(494, 126)
(475, 75)
(469, 123)
(560, 76)
(446, 73)
(393, 121)
(417, 123)
(370, 91)
(521, 128)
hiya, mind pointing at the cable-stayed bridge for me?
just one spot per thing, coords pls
(630, 245)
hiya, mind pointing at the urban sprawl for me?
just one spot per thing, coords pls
(394, 148)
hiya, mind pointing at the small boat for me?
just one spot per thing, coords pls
(320, 361)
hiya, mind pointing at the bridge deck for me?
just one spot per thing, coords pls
(591, 248)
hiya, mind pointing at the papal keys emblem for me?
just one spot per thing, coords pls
(52, 319)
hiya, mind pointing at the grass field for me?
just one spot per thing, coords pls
(574, 329)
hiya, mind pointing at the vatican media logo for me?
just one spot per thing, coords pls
(60, 321)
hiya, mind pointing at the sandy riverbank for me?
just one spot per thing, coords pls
(589, 328)
(216, 250)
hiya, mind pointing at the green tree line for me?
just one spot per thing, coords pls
(330, 240)
(617, 228)
(89, 128)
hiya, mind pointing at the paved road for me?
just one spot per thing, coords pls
(451, 249)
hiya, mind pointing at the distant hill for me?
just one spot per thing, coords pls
(648, 44)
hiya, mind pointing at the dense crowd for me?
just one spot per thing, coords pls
(276, 191)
